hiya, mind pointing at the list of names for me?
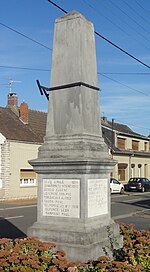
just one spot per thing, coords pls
(61, 197)
(97, 197)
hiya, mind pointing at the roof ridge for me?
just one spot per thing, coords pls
(38, 111)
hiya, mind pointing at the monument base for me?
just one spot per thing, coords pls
(74, 208)
(81, 246)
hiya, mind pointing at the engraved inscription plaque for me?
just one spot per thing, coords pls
(97, 197)
(61, 197)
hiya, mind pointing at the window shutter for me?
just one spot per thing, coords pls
(135, 145)
(121, 143)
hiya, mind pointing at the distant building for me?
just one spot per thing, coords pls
(130, 149)
(22, 132)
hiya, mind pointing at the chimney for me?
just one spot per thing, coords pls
(12, 103)
(24, 113)
(104, 119)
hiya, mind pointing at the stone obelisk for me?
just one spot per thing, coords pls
(73, 164)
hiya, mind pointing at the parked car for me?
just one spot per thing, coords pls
(138, 184)
(116, 186)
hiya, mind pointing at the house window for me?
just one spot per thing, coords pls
(146, 146)
(135, 145)
(122, 171)
(121, 174)
(121, 143)
(27, 178)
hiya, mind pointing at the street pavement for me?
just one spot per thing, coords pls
(132, 208)
(17, 216)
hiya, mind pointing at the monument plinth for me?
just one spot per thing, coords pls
(73, 164)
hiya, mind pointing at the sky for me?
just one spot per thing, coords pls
(26, 42)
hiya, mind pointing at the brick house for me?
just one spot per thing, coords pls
(21, 133)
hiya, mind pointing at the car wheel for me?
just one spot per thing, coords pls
(122, 191)
(143, 189)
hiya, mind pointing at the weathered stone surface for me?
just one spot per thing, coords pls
(73, 164)
(73, 122)
(81, 244)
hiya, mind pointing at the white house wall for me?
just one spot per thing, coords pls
(20, 153)
(2, 141)
(132, 160)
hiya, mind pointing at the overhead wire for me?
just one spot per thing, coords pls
(25, 36)
(24, 68)
(126, 73)
(103, 74)
(142, 7)
(98, 73)
(114, 73)
(38, 69)
(141, 40)
(122, 50)
(116, 25)
(116, 81)
(107, 18)
(129, 124)
(48, 70)
(98, 34)
(57, 6)
(107, 40)
(135, 11)
(131, 19)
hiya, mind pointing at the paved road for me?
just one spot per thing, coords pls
(132, 208)
(15, 218)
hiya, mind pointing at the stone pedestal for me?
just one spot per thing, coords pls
(73, 164)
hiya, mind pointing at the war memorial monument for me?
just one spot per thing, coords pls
(73, 164)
